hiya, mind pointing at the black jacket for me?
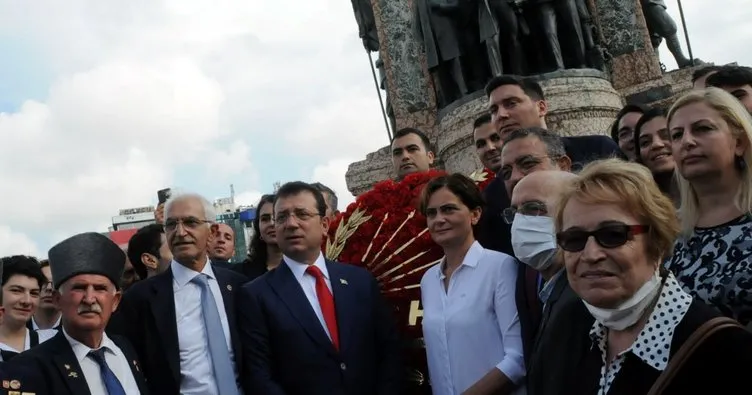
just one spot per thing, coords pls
(56, 370)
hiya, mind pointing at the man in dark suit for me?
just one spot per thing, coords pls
(81, 359)
(534, 200)
(313, 326)
(516, 103)
(182, 321)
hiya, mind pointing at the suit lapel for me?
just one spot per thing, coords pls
(342, 303)
(228, 298)
(67, 364)
(163, 309)
(132, 359)
(288, 289)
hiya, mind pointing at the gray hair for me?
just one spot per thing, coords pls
(209, 213)
(332, 197)
(554, 143)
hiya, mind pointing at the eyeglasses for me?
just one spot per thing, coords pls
(300, 215)
(189, 223)
(525, 164)
(608, 236)
(531, 208)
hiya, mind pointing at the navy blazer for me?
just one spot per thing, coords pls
(288, 352)
(146, 317)
(55, 368)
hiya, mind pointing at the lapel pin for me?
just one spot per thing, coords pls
(15, 384)
(135, 364)
(343, 281)
(6, 384)
(67, 367)
(229, 287)
(73, 374)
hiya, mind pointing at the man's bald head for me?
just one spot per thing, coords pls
(542, 187)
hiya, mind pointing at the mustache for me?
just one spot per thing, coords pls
(90, 308)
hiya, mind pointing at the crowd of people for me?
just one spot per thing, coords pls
(589, 265)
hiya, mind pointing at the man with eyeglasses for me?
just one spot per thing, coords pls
(516, 103)
(46, 320)
(529, 150)
(534, 202)
(313, 326)
(196, 349)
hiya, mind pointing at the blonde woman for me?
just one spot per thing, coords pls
(615, 227)
(710, 141)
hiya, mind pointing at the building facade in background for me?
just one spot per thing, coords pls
(133, 218)
(239, 218)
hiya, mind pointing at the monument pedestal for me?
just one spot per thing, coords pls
(580, 101)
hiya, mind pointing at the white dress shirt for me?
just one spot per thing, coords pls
(308, 283)
(115, 360)
(473, 326)
(196, 371)
(46, 333)
(43, 337)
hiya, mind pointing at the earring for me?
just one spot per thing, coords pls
(740, 163)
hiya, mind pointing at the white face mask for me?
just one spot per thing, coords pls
(631, 310)
(534, 240)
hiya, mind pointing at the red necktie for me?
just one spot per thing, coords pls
(326, 301)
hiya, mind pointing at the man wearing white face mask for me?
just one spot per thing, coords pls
(534, 241)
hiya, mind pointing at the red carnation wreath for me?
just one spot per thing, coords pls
(384, 232)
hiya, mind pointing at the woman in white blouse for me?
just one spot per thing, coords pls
(22, 280)
(470, 323)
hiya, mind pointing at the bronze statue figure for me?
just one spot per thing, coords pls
(560, 26)
(366, 24)
(660, 26)
(448, 30)
(500, 31)
(387, 101)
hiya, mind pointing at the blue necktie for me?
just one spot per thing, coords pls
(224, 374)
(111, 381)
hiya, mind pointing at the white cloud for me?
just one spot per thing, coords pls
(248, 198)
(13, 243)
(718, 31)
(147, 91)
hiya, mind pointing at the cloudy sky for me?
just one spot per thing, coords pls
(104, 102)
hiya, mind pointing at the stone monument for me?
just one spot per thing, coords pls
(436, 55)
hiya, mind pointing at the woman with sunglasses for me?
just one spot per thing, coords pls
(470, 324)
(615, 227)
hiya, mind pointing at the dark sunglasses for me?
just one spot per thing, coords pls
(608, 236)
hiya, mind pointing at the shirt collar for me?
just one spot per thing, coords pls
(548, 287)
(184, 275)
(82, 351)
(27, 344)
(471, 259)
(299, 268)
(35, 327)
(653, 344)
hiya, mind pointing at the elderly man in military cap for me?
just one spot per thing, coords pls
(81, 359)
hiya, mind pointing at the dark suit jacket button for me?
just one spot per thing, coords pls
(343, 366)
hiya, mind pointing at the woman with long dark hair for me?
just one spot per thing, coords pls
(264, 254)
(653, 149)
